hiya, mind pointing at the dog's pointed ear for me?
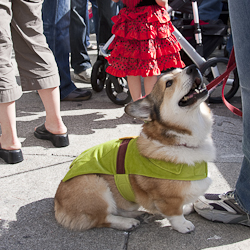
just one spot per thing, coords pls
(140, 109)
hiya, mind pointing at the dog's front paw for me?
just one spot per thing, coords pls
(180, 224)
(130, 224)
(186, 227)
(122, 223)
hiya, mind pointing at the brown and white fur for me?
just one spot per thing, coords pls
(177, 129)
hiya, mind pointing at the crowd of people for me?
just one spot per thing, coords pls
(48, 31)
(66, 27)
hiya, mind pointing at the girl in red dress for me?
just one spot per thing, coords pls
(144, 44)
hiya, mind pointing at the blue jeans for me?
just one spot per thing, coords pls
(106, 9)
(239, 15)
(229, 45)
(210, 10)
(56, 20)
(95, 18)
(80, 60)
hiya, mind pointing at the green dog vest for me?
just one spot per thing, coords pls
(102, 159)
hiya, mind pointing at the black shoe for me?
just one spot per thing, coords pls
(11, 156)
(78, 95)
(58, 140)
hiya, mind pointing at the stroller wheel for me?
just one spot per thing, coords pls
(117, 90)
(98, 75)
(212, 69)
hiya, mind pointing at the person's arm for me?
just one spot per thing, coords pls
(162, 3)
(116, 1)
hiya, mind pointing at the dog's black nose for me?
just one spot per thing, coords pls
(191, 69)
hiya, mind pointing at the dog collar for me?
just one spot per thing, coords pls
(178, 145)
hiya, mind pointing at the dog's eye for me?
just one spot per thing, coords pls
(169, 83)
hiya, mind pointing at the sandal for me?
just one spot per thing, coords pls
(58, 140)
(11, 156)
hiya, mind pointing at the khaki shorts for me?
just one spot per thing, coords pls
(35, 61)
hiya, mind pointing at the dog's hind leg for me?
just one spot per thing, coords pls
(129, 214)
(84, 202)
(142, 216)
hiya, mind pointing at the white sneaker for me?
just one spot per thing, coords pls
(221, 207)
(84, 76)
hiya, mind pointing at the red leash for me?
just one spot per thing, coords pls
(230, 67)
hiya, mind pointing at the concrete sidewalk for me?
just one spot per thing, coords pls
(27, 189)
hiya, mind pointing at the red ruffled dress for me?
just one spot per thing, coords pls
(144, 44)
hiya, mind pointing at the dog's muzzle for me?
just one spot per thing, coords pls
(198, 89)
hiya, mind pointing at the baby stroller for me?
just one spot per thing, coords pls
(207, 38)
(194, 51)
(116, 87)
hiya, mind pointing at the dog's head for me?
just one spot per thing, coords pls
(175, 94)
(176, 115)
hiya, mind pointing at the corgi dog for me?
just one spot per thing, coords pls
(163, 170)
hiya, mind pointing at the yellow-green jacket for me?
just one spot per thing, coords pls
(102, 159)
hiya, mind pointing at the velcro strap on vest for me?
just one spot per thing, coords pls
(122, 179)
(120, 167)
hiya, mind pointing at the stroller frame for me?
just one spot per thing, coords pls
(210, 69)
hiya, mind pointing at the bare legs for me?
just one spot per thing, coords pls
(8, 139)
(149, 83)
(51, 102)
(54, 124)
(134, 84)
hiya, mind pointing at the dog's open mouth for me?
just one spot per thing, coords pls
(197, 91)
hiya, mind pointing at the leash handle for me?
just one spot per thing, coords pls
(223, 77)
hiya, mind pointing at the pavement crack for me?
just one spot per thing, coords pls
(125, 246)
(229, 133)
(53, 154)
(36, 169)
